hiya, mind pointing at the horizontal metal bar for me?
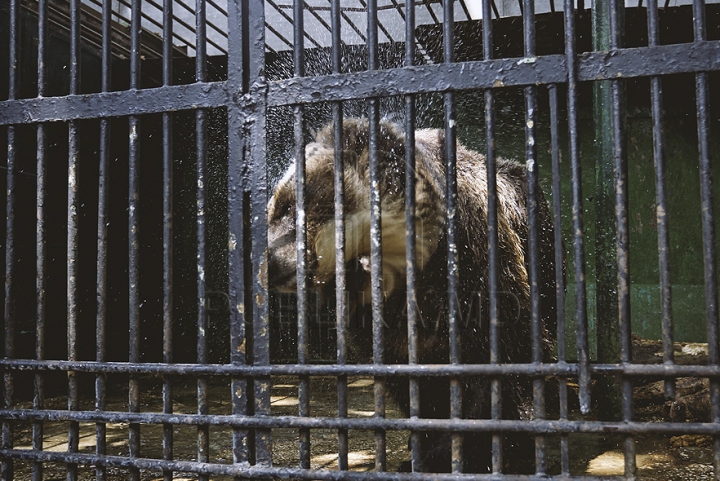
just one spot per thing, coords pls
(632, 62)
(422, 370)
(115, 104)
(563, 426)
(244, 470)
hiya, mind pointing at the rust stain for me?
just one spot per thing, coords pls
(260, 299)
(263, 271)
(241, 347)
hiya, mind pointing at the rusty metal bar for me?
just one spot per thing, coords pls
(237, 233)
(376, 255)
(341, 307)
(255, 127)
(303, 321)
(6, 469)
(410, 242)
(493, 246)
(40, 235)
(661, 206)
(240, 471)
(134, 241)
(559, 273)
(702, 98)
(583, 352)
(168, 232)
(102, 241)
(534, 274)
(628, 63)
(423, 370)
(535, 427)
(616, 28)
(73, 237)
(203, 432)
(451, 201)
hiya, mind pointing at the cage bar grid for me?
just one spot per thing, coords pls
(244, 96)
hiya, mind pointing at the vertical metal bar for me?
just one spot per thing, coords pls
(623, 232)
(583, 353)
(72, 236)
(102, 233)
(256, 120)
(340, 280)
(493, 243)
(301, 239)
(452, 248)
(340, 274)
(559, 272)
(410, 232)
(203, 431)
(6, 470)
(302, 301)
(133, 240)
(237, 70)
(709, 255)
(40, 270)
(167, 235)
(376, 281)
(376, 278)
(533, 234)
(661, 207)
(606, 262)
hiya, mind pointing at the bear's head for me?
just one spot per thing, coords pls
(319, 212)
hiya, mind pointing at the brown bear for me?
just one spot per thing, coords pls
(431, 273)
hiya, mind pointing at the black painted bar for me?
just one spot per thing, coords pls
(702, 98)
(102, 240)
(532, 166)
(630, 62)
(133, 240)
(493, 243)
(583, 352)
(452, 247)
(623, 231)
(410, 244)
(6, 470)
(424, 370)
(40, 261)
(376, 256)
(559, 272)
(72, 236)
(257, 177)
(203, 433)
(168, 192)
(240, 471)
(303, 321)
(237, 69)
(535, 427)
(661, 208)
(341, 307)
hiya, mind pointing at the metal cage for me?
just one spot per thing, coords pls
(145, 138)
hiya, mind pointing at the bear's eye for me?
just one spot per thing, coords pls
(283, 210)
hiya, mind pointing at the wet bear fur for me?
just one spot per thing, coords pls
(431, 274)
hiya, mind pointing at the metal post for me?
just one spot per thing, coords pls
(607, 328)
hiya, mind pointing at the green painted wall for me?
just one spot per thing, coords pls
(684, 206)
